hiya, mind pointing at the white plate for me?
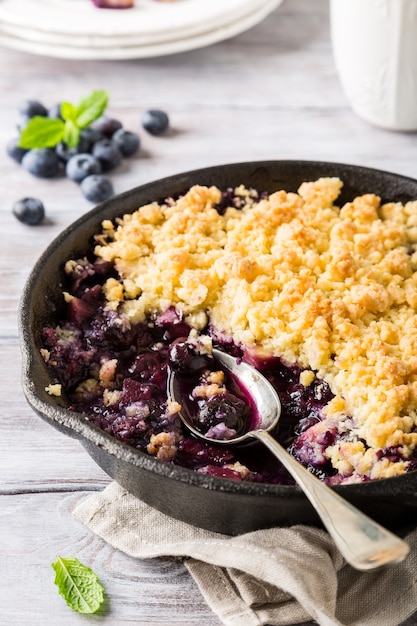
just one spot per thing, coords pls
(136, 31)
(98, 46)
(150, 17)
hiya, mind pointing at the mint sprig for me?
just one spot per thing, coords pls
(78, 585)
(45, 132)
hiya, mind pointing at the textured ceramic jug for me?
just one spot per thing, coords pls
(375, 53)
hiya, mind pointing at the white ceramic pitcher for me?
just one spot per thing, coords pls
(375, 53)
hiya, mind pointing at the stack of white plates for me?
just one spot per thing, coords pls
(77, 29)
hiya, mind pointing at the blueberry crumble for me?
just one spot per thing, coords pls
(321, 299)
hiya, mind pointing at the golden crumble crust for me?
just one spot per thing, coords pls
(293, 275)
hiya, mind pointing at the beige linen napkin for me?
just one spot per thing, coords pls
(268, 577)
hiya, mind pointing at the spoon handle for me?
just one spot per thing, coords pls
(364, 544)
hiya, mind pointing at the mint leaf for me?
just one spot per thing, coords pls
(78, 585)
(71, 134)
(68, 111)
(91, 108)
(45, 132)
(41, 132)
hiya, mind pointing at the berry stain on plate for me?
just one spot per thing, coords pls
(118, 4)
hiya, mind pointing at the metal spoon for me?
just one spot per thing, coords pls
(363, 542)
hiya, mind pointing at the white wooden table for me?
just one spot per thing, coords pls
(270, 93)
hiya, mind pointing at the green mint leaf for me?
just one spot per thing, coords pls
(91, 108)
(45, 132)
(68, 111)
(78, 585)
(41, 132)
(71, 134)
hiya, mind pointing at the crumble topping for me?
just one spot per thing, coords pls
(330, 289)
(54, 389)
(162, 446)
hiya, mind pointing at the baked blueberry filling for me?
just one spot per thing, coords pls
(317, 298)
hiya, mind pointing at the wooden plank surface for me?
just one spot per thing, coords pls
(270, 93)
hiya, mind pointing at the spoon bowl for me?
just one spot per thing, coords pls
(365, 544)
(258, 387)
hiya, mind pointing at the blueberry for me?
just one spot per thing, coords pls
(30, 211)
(89, 136)
(225, 408)
(14, 151)
(41, 162)
(184, 359)
(97, 188)
(64, 152)
(127, 141)
(82, 165)
(106, 125)
(107, 153)
(155, 121)
(30, 108)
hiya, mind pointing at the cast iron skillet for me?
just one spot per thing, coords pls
(216, 504)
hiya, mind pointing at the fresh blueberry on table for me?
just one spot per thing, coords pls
(64, 152)
(30, 108)
(14, 151)
(155, 121)
(89, 136)
(106, 125)
(127, 141)
(29, 211)
(82, 165)
(107, 152)
(41, 162)
(97, 188)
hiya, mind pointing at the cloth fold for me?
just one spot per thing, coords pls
(272, 577)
